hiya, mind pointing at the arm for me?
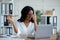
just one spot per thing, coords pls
(15, 28)
(12, 21)
(35, 22)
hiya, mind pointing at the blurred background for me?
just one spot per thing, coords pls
(48, 10)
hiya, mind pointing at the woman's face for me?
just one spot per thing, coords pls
(29, 16)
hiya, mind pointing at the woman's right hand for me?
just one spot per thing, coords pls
(9, 17)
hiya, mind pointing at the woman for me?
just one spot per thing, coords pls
(27, 23)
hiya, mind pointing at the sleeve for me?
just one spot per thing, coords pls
(18, 26)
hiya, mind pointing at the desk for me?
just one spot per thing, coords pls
(54, 37)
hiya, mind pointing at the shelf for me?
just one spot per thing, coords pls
(48, 15)
(7, 26)
(8, 14)
(6, 7)
(49, 19)
(7, 1)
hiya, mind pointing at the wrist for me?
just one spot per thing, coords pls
(13, 22)
(34, 20)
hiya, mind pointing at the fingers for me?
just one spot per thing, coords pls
(9, 16)
(33, 16)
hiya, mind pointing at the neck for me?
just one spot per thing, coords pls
(26, 21)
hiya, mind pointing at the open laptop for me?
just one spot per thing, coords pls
(43, 31)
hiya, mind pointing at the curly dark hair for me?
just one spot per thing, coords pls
(24, 14)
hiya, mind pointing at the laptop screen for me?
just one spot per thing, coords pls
(44, 31)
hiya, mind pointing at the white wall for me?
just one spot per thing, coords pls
(38, 4)
(19, 4)
(0, 0)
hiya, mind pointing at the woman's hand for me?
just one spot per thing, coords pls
(35, 22)
(9, 17)
(34, 17)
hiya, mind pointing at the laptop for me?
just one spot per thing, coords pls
(43, 31)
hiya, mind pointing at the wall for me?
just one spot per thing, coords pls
(0, 8)
(38, 4)
(0, 0)
(19, 4)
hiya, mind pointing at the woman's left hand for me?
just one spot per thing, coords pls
(35, 22)
(34, 17)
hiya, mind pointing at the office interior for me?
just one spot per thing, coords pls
(49, 13)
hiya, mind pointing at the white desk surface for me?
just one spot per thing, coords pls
(54, 37)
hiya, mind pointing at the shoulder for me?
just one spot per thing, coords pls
(17, 22)
(31, 23)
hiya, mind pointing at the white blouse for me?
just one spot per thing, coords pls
(22, 29)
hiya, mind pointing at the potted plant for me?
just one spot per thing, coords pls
(38, 16)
